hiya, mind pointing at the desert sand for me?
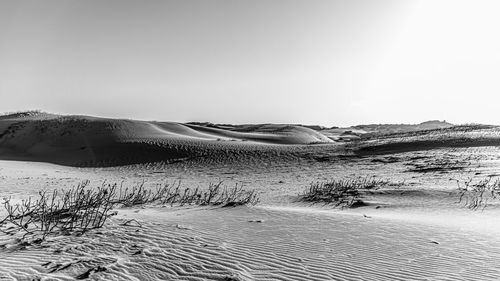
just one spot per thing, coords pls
(413, 228)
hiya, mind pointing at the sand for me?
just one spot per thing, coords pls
(91, 141)
(412, 229)
(261, 244)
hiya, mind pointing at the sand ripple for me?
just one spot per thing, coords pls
(258, 244)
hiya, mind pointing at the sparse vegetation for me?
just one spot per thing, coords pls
(82, 208)
(440, 164)
(341, 193)
(463, 136)
(21, 113)
(476, 194)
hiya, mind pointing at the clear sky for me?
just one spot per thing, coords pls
(233, 61)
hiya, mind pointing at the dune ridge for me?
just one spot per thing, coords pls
(92, 141)
(87, 141)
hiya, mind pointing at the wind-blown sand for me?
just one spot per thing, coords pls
(262, 244)
(413, 229)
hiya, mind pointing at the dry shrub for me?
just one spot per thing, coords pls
(82, 208)
(476, 194)
(77, 209)
(341, 193)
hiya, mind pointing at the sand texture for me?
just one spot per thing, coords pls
(261, 244)
(90, 141)
(412, 228)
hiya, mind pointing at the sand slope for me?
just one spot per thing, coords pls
(90, 141)
(464, 136)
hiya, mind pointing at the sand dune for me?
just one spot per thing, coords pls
(90, 141)
(93, 141)
(274, 134)
(452, 137)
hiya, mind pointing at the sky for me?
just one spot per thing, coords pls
(332, 63)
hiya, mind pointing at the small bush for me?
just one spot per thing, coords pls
(77, 209)
(82, 208)
(475, 195)
(173, 195)
(341, 193)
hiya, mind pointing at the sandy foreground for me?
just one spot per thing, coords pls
(423, 235)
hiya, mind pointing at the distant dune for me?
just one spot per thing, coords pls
(92, 141)
(401, 128)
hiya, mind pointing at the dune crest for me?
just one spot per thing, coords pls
(92, 141)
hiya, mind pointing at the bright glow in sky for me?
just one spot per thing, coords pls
(233, 61)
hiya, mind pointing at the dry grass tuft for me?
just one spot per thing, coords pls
(476, 195)
(80, 209)
(341, 193)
